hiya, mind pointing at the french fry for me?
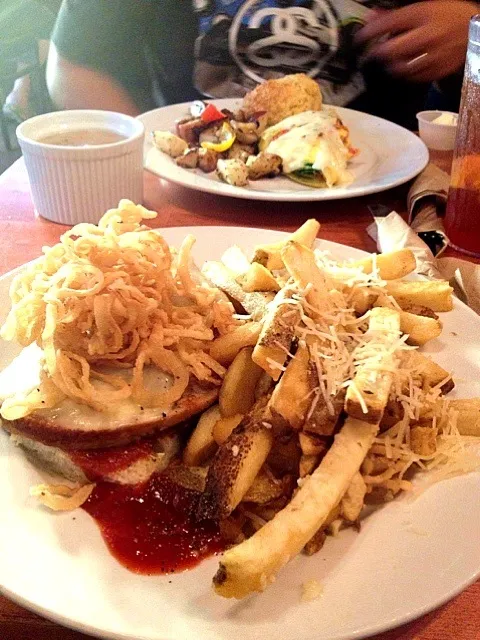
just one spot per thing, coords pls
(312, 445)
(253, 564)
(192, 478)
(468, 418)
(277, 333)
(201, 444)
(308, 464)
(258, 278)
(254, 303)
(264, 385)
(322, 421)
(265, 488)
(234, 468)
(237, 393)
(361, 299)
(235, 260)
(352, 502)
(420, 329)
(284, 457)
(290, 398)
(431, 372)
(391, 265)
(434, 294)
(372, 384)
(301, 265)
(423, 440)
(269, 254)
(224, 427)
(224, 348)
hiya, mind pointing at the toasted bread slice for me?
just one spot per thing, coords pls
(132, 464)
(77, 426)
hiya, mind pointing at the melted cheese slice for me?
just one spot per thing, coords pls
(311, 137)
(23, 374)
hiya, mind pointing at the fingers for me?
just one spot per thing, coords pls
(388, 23)
(406, 46)
(425, 68)
(421, 68)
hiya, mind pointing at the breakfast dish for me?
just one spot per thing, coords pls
(388, 156)
(282, 267)
(280, 129)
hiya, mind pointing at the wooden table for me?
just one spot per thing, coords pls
(21, 237)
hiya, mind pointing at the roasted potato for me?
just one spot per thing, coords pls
(240, 151)
(264, 386)
(237, 393)
(290, 398)
(224, 427)
(207, 160)
(361, 299)
(265, 165)
(254, 303)
(284, 457)
(225, 348)
(169, 143)
(201, 444)
(233, 172)
(192, 478)
(258, 278)
(234, 469)
(188, 159)
(246, 132)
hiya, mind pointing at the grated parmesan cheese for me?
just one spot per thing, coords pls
(311, 590)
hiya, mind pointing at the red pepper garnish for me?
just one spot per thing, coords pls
(211, 114)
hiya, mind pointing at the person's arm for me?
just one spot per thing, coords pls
(73, 86)
(96, 58)
(421, 42)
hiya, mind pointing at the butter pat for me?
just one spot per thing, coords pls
(446, 118)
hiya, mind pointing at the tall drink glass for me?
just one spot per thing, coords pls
(462, 218)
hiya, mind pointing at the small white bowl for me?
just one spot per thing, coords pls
(72, 184)
(436, 136)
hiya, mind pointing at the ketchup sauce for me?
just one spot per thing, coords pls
(151, 528)
(97, 463)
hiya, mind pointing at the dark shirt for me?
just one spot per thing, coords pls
(168, 51)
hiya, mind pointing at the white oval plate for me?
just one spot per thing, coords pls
(409, 557)
(389, 155)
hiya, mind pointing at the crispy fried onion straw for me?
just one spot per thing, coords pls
(114, 297)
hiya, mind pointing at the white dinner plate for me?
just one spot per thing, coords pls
(389, 155)
(409, 557)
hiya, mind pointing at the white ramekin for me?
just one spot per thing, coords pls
(435, 135)
(72, 184)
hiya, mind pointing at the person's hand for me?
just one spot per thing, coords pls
(425, 41)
